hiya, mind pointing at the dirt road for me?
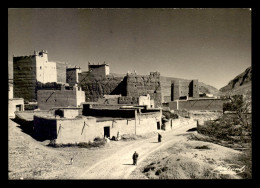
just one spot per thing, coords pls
(119, 165)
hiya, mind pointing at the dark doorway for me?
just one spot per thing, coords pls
(59, 113)
(158, 125)
(18, 107)
(106, 131)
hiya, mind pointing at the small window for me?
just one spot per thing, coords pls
(40, 67)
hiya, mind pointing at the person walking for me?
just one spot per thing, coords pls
(159, 137)
(135, 157)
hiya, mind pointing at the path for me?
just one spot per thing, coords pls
(119, 165)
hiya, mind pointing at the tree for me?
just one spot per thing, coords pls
(241, 105)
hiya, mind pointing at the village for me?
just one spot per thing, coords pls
(61, 105)
(71, 107)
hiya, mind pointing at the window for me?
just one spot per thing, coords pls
(40, 67)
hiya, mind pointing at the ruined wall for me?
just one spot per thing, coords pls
(202, 104)
(138, 85)
(97, 86)
(24, 77)
(48, 99)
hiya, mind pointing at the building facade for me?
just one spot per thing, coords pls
(99, 70)
(184, 89)
(48, 99)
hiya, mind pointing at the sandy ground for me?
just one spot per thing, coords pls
(30, 159)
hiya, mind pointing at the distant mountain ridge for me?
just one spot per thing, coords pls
(240, 84)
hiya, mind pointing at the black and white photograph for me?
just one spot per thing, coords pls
(129, 93)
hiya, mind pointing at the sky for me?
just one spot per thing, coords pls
(212, 45)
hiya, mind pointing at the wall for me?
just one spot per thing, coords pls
(48, 99)
(24, 77)
(80, 96)
(45, 70)
(84, 129)
(44, 128)
(99, 70)
(61, 71)
(70, 113)
(10, 90)
(12, 106)
(128, 100)
(72, 76)
(181, 88)
(145, 100)
(200, 104)
(138, 85)
(112, 101)
(123, 113)
(96, 87)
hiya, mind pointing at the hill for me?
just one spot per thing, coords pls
(240, 84)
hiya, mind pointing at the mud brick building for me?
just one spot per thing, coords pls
(72, 75)
(139, 85)
(48, 99)
(30, 70)
(99, 70)
(181, 89)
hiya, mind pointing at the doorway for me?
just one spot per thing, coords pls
(107, 131)
(18, 107)
(158, 125)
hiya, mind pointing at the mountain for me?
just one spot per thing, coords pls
(240, 84)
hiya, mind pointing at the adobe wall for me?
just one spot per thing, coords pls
(44, 129)
(112, 101)
(181, 88)
(121, 113)
(24, 77)
(97, 87)
(86, 128)
(138, 85)
(201, 104)
(61, 72)
(99, 70)
(12, 106)
(128, 100)
(72, 76)
(48, 99)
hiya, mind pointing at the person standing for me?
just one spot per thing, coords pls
(159, 137)
(135, 157)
